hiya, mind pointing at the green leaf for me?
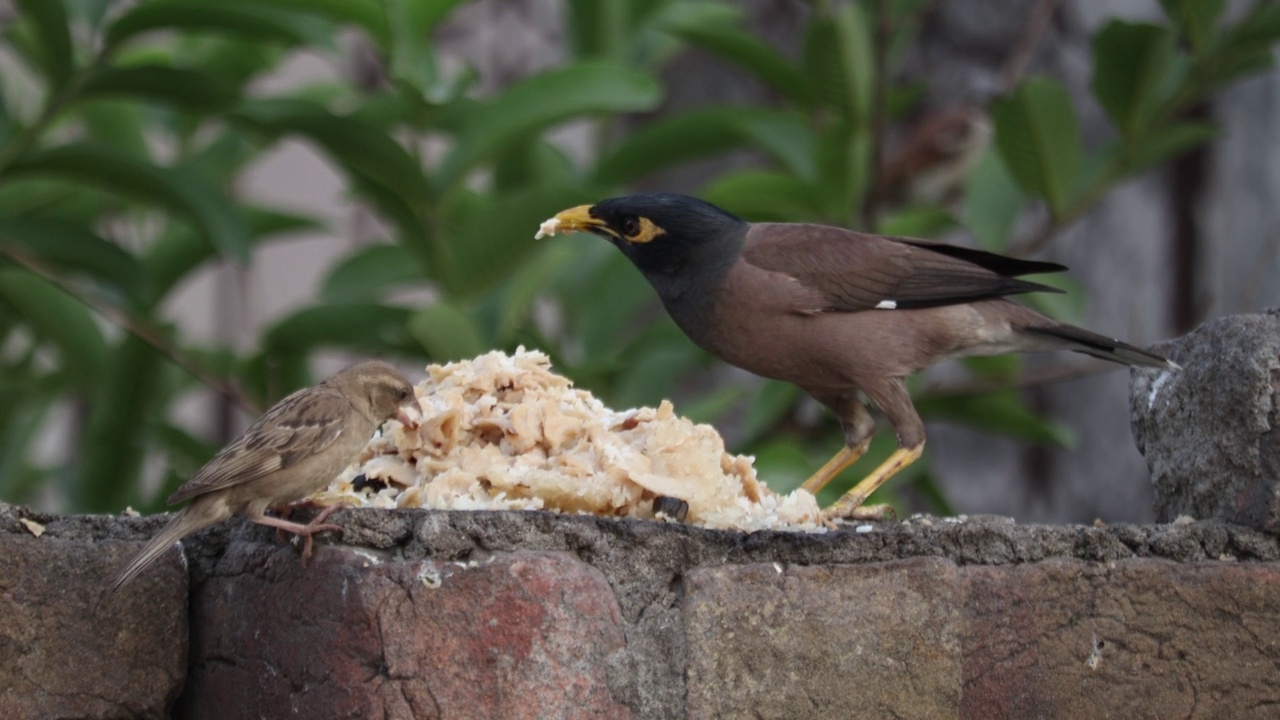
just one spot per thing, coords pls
(1196, 19)
(992, 203)
(181, 88)
(786, 136)
(541, 101)
(1166, 143)
(119, 124)
(783, 464)
(57, 317)
(654, 374)
(26, 410)
(411, 50)
(116, 435)
(74, 248)
(366, 327)
(51, 26)
(920, 221)
(446, 333)
(530, 280)
(707, 132)
(602, 311)
(247, 22)
(530, 163)
(1001, 413)
(223, 157)
(773, 401)
(837, 59)
(760, 196)
(184, 455)
(233, 61)
(179, 251)
(368, 14)
(1131, 62)
(671, 141)
(744, 50)
(490, 238)
(597, 28)
(361, 148)
(172, 188)
(1039, 139)
(1246, 46)
(367, 274)
(418, 235)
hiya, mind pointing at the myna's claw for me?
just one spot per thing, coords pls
(850, 505)
(878, 512)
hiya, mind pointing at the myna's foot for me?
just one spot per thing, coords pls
(850, 505)
(836, 465)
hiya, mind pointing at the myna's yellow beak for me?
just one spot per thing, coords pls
(574, 219)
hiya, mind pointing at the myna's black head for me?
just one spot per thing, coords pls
(661, 232)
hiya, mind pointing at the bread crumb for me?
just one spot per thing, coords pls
(548, 228)
(505, 432)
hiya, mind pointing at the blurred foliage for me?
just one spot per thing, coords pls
(125, 127)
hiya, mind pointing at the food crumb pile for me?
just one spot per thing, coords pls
(504, 432)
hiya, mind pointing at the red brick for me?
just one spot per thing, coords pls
(524, 635)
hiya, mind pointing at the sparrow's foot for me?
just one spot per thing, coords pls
(306, 532)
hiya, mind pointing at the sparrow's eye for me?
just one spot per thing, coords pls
(630, 226)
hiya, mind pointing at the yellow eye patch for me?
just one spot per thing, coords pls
(647, 232)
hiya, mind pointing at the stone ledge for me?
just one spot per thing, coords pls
(506, 614)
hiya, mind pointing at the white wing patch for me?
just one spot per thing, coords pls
(887, 305)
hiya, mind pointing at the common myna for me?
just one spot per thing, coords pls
(293, 450)
(836, 312)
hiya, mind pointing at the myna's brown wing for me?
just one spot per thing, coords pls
(845, 271)
(297, 427)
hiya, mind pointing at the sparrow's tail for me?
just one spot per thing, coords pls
(1101, 346)
(195, 516)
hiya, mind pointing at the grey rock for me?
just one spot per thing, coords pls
(1208, 432)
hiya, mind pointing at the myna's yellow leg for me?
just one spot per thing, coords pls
(848, 504)
(833, 467)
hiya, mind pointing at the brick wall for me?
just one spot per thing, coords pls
(530, 615)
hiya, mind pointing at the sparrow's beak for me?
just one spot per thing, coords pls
(405, 418)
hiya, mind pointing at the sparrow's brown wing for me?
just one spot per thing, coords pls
(299, 426)
(844, 271)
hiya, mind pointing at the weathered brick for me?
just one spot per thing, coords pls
(523, 635)
(68, 649)
(1130, 639)
(868, 641)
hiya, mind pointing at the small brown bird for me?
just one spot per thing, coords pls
(836, 312)
(296, 448)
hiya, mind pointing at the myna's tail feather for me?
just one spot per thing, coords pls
(1101, 346)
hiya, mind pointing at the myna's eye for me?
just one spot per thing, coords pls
(639, 230)
(630, 226)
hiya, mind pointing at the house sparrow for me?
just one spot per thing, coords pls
(296, 448)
